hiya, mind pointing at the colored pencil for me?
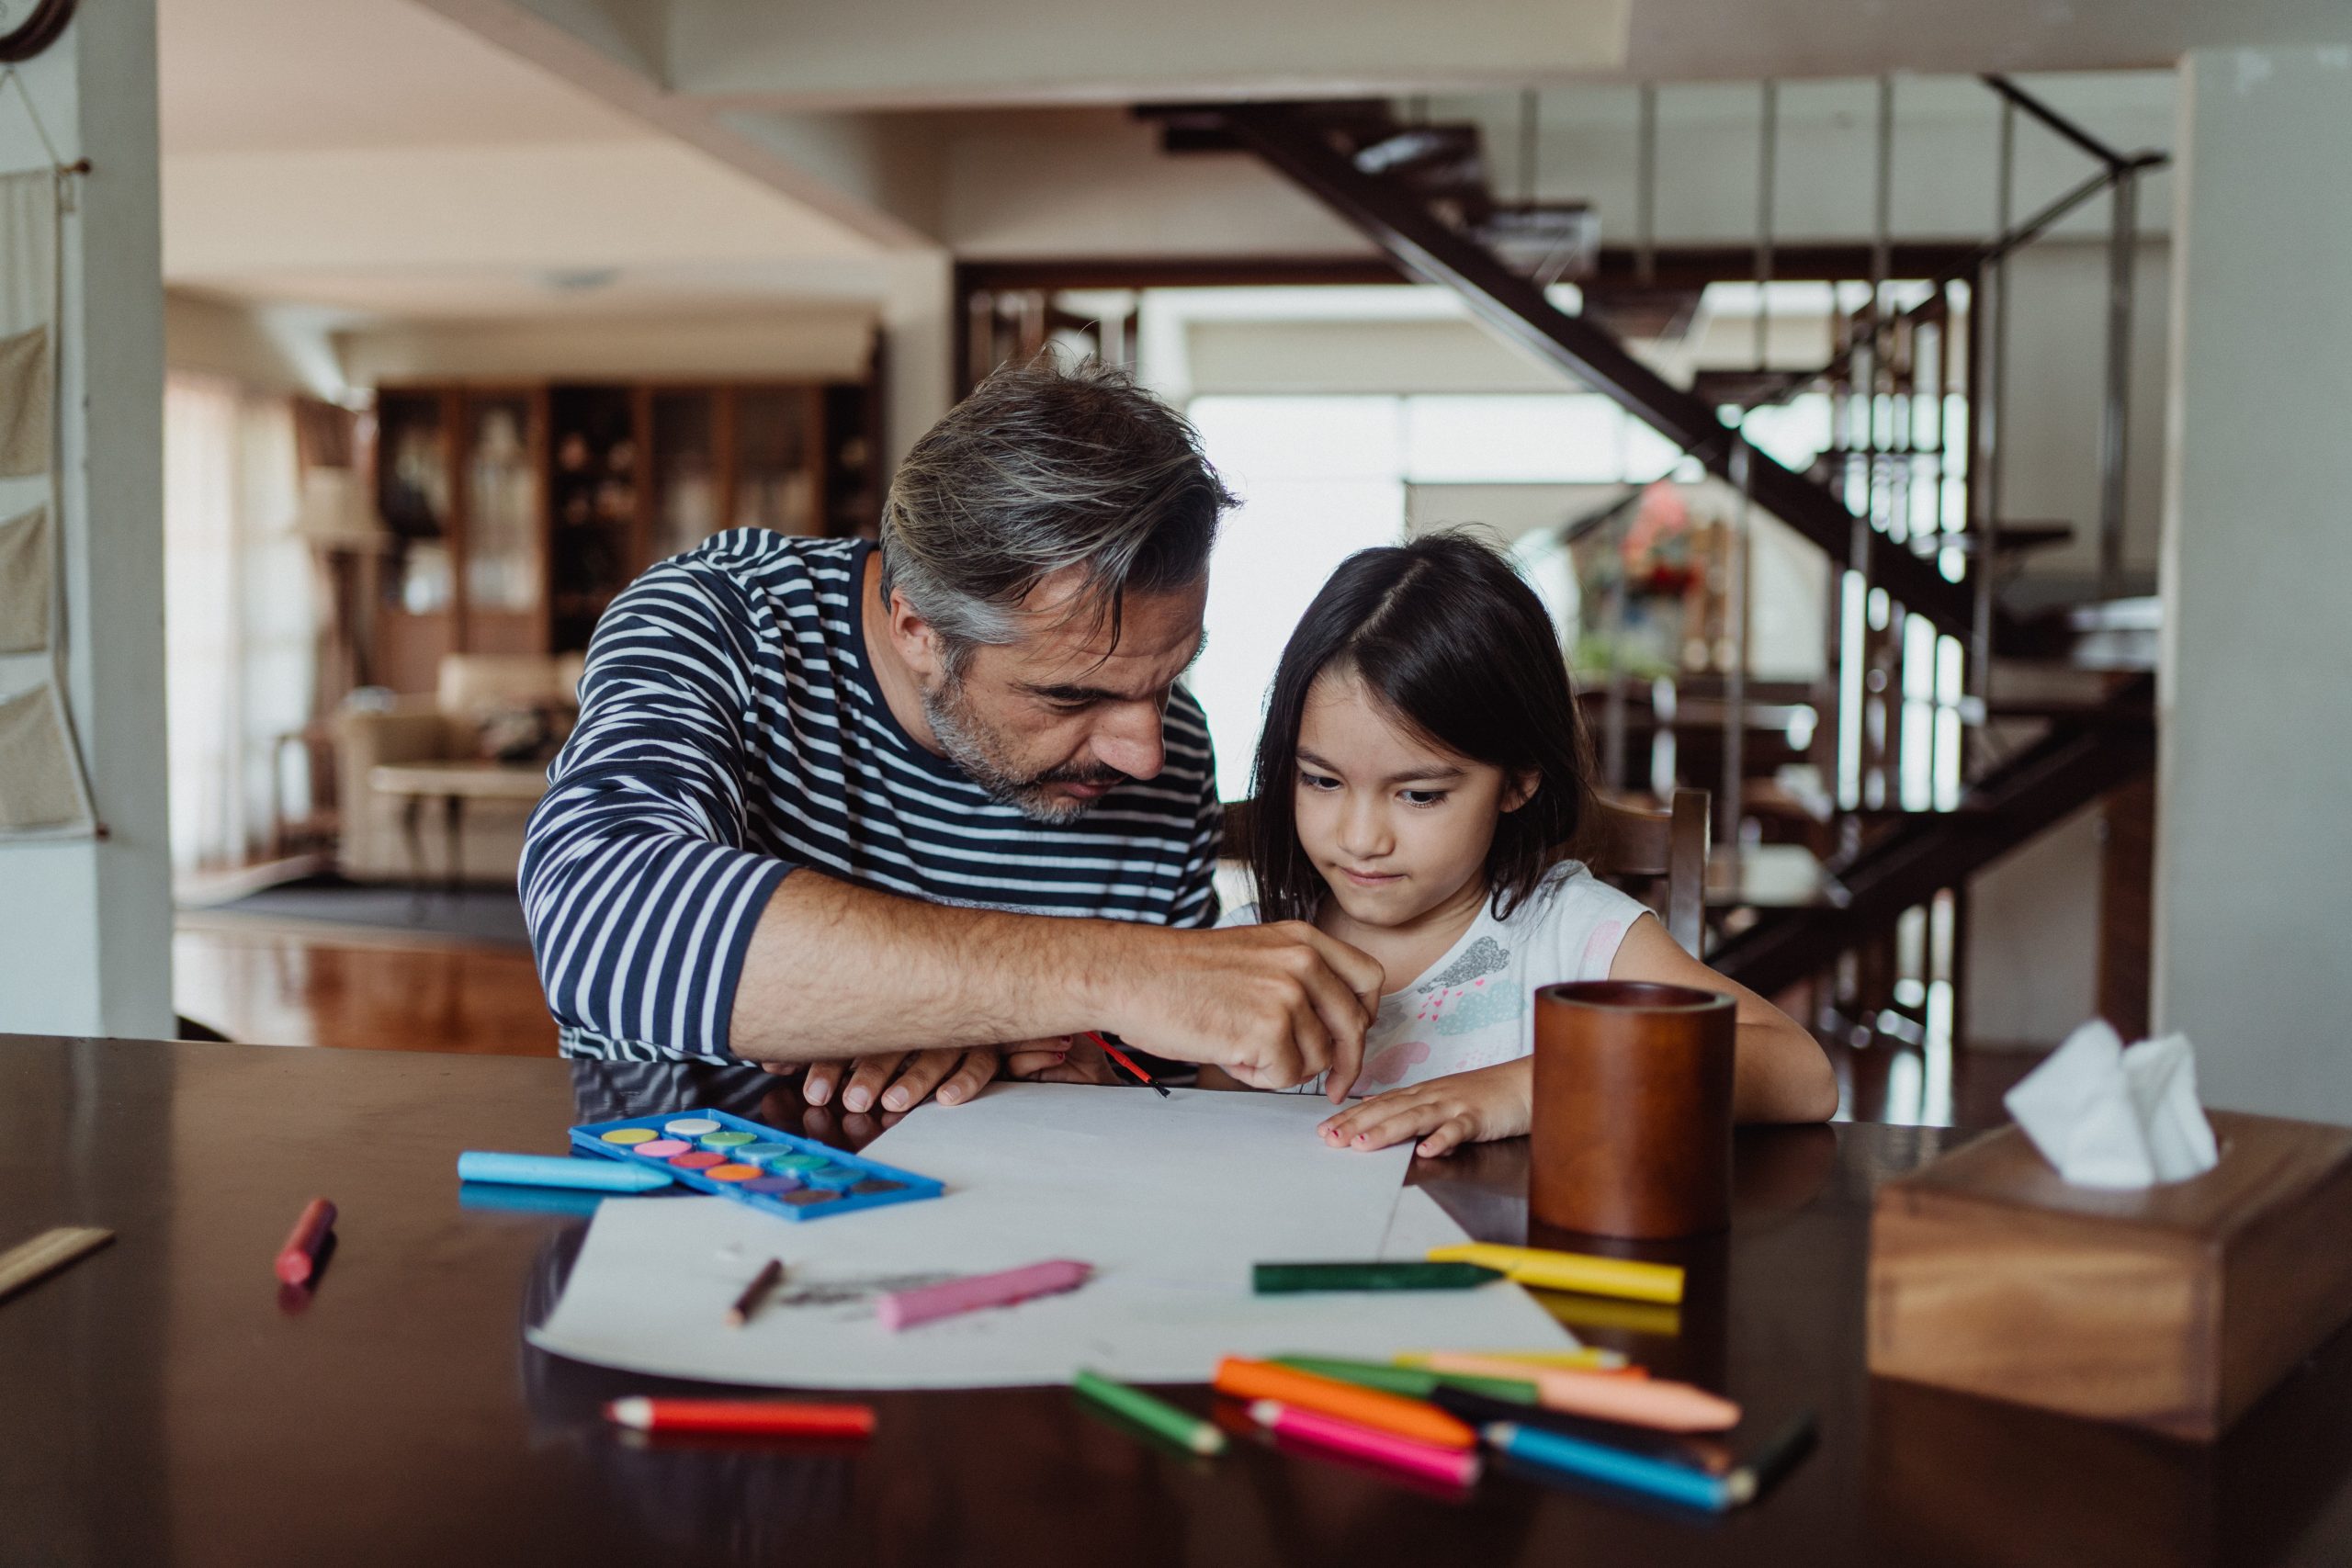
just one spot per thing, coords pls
(1590, 1359)
(1410, 1418)
(1123, 1060)
(299, 1258)
(749, 1302)
(1688, 1449)
(1551, 1270)
(1615, 1467)
(1178, 1426)
(747, 1417)
(1457, 1467)
(46, 1252)
(1638, 1401)
(1287, 1279)
(1413, 1382)
(904, 1309)
(1779, 1453)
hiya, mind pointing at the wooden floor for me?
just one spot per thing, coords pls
(281, 984)
(277, 986)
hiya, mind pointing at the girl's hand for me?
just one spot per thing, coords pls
(1443, 1113)
(1070, 1059)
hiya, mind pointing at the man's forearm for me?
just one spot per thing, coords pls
(834, 970)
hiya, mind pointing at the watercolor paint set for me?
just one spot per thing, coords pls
(793, 1178)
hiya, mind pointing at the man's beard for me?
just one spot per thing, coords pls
(977, 749)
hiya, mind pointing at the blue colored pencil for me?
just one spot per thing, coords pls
(1616, 1467)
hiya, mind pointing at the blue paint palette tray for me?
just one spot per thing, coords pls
(789, 1177)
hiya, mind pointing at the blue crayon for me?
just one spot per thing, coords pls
(1619, 1467)
(559, 1170)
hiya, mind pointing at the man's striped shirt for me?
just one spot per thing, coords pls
(731, 730)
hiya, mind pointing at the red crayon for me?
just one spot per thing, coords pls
(749, 1418)
(299, 1258)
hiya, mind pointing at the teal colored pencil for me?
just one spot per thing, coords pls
(1178, 1426)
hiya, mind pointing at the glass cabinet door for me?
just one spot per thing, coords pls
(684, 468)
(413, 493)
(776, 460)
(505, 566)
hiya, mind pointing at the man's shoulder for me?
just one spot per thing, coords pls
(1185, 730)
(762, 561)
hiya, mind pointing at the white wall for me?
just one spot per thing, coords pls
(2254, 839)
(2056, 381)
(85, 925)
(276, 348)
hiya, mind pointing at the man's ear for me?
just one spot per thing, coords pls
(1520, 788)
(915, 641)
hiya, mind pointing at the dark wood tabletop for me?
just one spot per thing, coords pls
(166, 1403)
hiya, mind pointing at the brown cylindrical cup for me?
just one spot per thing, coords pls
(1632, 1109)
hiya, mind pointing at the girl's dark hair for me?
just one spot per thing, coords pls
(1447, 637)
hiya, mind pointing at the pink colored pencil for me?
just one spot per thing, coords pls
(1456, 1467)
(1607, 1397)
(904, 1309)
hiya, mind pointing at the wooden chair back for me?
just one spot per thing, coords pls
(1668, 848)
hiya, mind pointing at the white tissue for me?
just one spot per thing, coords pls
(2111, 1117)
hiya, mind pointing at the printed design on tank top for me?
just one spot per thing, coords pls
(1391, 1062)
(1459, 998)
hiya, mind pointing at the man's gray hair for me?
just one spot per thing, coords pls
(1044, 466)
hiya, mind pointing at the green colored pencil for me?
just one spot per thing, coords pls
(1413, 1382)
(1178, 1426)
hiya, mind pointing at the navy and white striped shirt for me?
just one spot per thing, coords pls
(731, 730)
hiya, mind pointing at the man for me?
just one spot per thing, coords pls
(916, 804)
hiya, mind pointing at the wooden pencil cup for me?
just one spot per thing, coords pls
(1632, 1109)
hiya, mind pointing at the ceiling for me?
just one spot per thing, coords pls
(373, 156)
(266, 75)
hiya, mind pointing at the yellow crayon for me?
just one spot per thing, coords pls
(1570, 1270)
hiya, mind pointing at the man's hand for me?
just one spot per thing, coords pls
(897, 1080)
(1271, 1005)
(1444, 1113)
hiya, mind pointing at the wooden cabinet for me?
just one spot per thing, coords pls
(517, 512)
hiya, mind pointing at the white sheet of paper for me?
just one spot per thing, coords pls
(1171, 1200)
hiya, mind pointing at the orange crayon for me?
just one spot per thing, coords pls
(1388, 1413)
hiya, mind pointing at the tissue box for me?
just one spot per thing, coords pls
(2172, 1307)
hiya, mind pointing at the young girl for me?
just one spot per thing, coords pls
(1421, 768)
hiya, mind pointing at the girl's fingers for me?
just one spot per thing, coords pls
(1449, 1135)
(1406, 1119)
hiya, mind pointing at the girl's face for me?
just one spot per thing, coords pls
(1398, 826)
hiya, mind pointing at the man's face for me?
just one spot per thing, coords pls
(1052, 722)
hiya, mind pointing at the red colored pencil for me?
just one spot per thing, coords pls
(1121, 1057)
(747, 1417)
(299, 1257)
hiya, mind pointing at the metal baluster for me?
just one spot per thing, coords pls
(1646, 188)
(2115, 423)
(1729, 803)
(1767, 159)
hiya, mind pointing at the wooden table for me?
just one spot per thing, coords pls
(454, 784)
(165, 1406)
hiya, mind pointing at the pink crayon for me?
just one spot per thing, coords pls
(1456, 1467)
(904, 1309)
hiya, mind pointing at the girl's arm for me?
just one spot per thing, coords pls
(1782, 1074)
